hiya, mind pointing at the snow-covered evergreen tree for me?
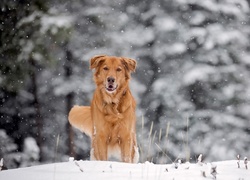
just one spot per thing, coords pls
(31, 33)
(191, 83)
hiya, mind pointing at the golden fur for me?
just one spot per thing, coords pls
(110, 120)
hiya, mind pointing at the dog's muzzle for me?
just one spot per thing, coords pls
(111, 85)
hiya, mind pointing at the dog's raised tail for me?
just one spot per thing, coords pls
(80, 118)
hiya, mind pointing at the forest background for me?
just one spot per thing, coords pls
(192, 83)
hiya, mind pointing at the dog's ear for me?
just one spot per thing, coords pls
(96, 60)
(130, 64)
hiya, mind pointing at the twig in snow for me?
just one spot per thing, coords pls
(238, 157)
(245, 162)
(214, 170)
(210, 169)
(80, 168)
(176, 165)
(1, 164)
(203, 173)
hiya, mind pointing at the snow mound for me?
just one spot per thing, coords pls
(118, 171)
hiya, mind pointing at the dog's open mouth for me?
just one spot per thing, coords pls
(111, 88)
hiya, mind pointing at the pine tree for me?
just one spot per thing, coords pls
(200, 48)
(29, 34)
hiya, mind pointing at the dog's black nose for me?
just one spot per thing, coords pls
(111, 79)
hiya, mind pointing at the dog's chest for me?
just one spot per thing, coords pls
(114, 135)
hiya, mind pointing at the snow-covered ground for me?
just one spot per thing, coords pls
(86, 170)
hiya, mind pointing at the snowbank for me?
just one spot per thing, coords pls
(115, 170)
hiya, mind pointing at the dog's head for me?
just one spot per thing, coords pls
(112, 72)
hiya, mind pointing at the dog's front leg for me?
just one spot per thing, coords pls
(127, 149)
(99, 148)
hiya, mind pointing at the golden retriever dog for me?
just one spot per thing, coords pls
(110, 121)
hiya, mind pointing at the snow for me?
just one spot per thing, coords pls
(31, 148)
(131, 36)
(115, 170)
(53, 23)
(165, 24)
(199, 73)
(171, 50)
(233, 7)
(198, 18)
(222, 37)
(9, 145)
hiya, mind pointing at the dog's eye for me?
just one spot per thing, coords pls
(118, 69)
(105, 68)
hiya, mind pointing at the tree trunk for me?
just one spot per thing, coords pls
(69, 99)
(36, 104)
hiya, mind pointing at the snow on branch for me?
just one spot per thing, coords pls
(245, 162)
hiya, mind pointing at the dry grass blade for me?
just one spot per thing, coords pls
(1, 164)
(187, 143)
(163, 152)
(167, 130)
